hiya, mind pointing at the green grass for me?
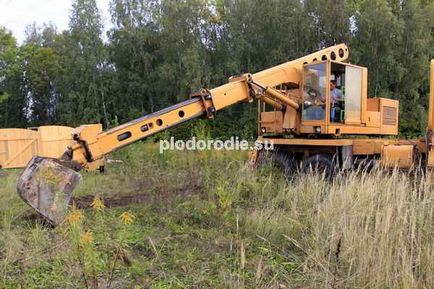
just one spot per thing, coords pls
(211, 221)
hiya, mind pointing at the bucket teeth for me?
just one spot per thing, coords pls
(46, 185)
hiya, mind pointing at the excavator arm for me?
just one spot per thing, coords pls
(47, 184)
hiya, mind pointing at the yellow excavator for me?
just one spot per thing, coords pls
(315, 110)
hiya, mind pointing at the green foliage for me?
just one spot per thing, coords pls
(158, 52)
(41, 66)
(12, 101)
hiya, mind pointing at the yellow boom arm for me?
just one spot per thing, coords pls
(92, 144)
(431, 99)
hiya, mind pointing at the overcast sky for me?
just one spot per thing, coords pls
(15, 15)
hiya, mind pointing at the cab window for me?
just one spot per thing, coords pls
(314, 92)
(337, 92)
(353, 96)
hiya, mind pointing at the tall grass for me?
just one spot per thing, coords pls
(236, 227)
(363, 230)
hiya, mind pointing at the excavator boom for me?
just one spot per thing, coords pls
(47, 184)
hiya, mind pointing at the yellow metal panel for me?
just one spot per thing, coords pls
(364, 114)
(327, 110)
(370, 146)
(373, 104)
(137, 129)
(291, 118)
(229, 94)
(430, 163)
(431, 99)
(89, 132)
(383, 122)
(352, 129)
(374, 118)
(363, 147)
(400, 156)
(353, 95)
(309, 142)
(291, 71)
(272, 121)
(389, 116)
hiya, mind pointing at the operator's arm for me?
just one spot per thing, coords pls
(339, 95)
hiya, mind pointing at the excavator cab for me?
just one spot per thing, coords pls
(333, 98)
(334, 95)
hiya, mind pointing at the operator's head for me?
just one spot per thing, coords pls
(332, 84)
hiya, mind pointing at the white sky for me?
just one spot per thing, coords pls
(15, 15)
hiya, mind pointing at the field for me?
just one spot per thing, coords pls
(208, 220)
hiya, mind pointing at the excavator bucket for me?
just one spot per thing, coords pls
(46, 185)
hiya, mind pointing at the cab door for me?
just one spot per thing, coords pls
(353, 94)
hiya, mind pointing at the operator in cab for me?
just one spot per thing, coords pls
(336, 102)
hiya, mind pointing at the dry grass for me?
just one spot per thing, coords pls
(361, 231)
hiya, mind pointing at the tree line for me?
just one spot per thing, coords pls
(159, 51)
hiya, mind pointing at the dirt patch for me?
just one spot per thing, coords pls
(113, 202)
(84, 202)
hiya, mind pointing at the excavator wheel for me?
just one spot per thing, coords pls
(319, 164)
(285, 162)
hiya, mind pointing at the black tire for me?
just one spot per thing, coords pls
(319, 164)
(285, 162)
